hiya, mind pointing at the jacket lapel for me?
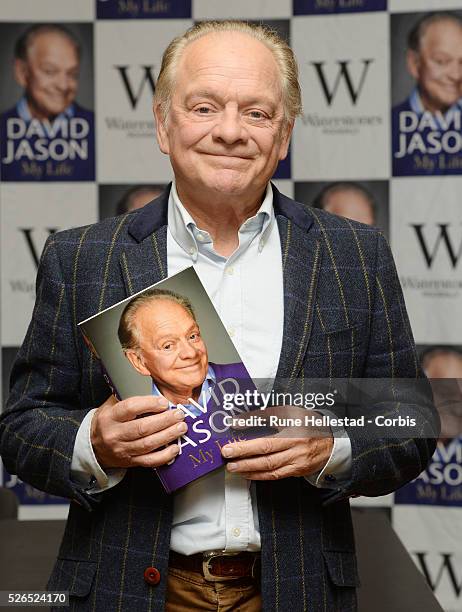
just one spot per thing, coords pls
(144, 262)
(301, 260)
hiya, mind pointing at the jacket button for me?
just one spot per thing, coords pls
(152, 575)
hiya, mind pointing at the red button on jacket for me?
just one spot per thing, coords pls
(152, 575)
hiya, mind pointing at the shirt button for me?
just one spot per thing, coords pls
(192, 251)
(330, 478)
(152, 575)
(201, 237)
(230, 270)
(236, 532)
(231, 332)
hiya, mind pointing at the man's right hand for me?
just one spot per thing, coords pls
(121, 440)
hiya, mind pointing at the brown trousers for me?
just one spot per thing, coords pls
(189, 592)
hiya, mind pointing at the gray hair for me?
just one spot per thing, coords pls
(128, 332)
(418, 31)
(28, 37)
(282, 53)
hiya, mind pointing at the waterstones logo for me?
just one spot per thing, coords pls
(34, 247)
(135, 88)
(31, 242)
(344, 76)
(442, 242)
(447, 569)
(348, 77)
(139, 86)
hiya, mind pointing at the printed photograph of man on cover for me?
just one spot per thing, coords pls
(427, 72)
(47, 135)
(117, 199)
(160, 336)
(363, 201)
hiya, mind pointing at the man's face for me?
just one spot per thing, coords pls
(437, 67)
(171, 349)
(49, 75)
(225, 132)
(351, 204)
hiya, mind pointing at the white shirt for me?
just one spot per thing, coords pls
(219, 510)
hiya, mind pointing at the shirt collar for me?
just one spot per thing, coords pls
(22, 108)
(190, 237)
(417, 106)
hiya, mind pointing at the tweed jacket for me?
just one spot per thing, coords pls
(344, 316)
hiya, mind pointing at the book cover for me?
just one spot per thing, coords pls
(161, 341)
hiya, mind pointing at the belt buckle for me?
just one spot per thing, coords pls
(206, 560)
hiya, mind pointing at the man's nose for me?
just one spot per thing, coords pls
(62, 82)
(229, 127)
(455, 72)
(187, 350)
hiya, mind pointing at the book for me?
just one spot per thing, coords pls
(166, 340)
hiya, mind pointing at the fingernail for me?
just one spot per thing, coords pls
(232, 467)
(179, 414)
(227, 451)
(181, 427)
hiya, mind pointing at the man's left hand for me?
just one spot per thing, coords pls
(280, 456)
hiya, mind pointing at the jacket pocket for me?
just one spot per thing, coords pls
(337, 340)
(73, 575)
(342, 567)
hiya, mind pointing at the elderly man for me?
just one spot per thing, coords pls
(47, 135)
(434, 60)
(304, 294)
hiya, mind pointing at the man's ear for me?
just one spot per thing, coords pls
(285, 140)
(137, 362)
(161, 130)
(413, 64)
(21, 72)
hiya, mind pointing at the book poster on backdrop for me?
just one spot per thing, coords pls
(426, 96)
(46, 102)
(168, 340)
(119, 199)
(362, 201)
(143, 9)
(322, 7)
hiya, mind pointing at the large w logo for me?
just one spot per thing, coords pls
(343, 73)
(146, 79)
(430, 253)
(34, 248)
(446, 567)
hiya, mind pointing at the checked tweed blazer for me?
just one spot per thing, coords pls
(344, 316)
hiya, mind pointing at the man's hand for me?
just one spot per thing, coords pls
(281, 455)
(121, 440)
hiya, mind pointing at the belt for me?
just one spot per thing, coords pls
(219, 565)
